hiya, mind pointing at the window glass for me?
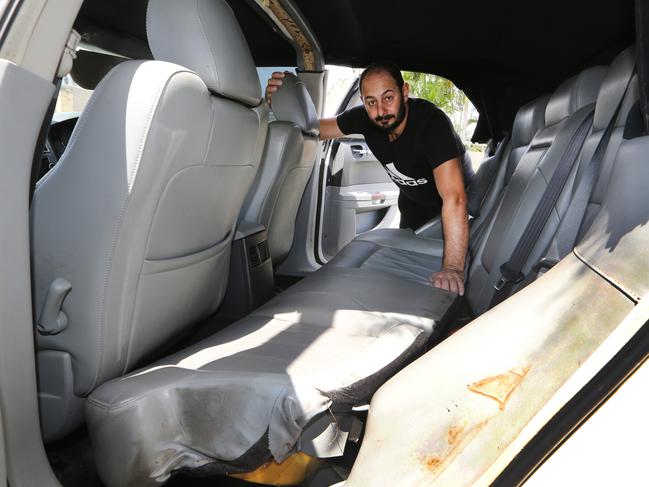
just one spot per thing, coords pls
(72, 98)
(339, 81)
(436, 89)
(443, 93)
(265, 73)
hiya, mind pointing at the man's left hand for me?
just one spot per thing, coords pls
(450, 279)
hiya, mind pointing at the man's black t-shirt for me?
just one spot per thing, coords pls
(427, 141)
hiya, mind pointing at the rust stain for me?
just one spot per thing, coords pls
(458, 437)
(298, 36)
(432, 463)
(500, 387)
(453, 433)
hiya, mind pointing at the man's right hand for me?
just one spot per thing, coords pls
(328, 126)
(273, 85)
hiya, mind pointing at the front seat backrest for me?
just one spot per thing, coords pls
(138, 215)
(286, 165)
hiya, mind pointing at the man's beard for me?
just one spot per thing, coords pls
(396, 120)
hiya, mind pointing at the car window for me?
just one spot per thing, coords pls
(72, 98)
(265, 73)
(441, 91)
(339, 81)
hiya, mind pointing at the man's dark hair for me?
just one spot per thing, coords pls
(383, 67)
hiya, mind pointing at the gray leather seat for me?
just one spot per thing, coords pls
(529, 119)
(287, 163)
(138, 215)
(533, 343)
(568, 107)
(265, 386)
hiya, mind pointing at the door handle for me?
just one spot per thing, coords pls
(358, 151)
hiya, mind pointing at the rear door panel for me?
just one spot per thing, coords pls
(359, 196)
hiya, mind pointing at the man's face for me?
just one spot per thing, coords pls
(384, 102)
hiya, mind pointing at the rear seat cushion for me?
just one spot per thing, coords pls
(398, 252)
(246, 393)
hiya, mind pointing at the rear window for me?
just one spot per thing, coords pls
(441, 91)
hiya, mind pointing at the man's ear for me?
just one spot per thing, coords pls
(405, 91)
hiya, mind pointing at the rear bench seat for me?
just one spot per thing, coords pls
(524, 354)
(255, 390)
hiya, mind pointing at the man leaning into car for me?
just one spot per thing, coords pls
(412, 139)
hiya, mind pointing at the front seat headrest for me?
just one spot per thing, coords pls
(204, 36)
(292, 103)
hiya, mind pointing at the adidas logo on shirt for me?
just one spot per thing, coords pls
(400, 178)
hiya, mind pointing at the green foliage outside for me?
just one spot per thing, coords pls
(446, 96)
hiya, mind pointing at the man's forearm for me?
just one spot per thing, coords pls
(456, 233)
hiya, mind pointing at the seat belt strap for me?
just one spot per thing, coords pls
(572, 220)
(510, 271)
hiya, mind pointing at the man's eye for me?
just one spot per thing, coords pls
(388, 98)
(370, 103)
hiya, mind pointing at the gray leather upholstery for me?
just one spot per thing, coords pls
(245, 395)
(527, 185)
(292, 103)
(573, 94)
(398, 252)
(529, 119)
(138, 216)
(287, 164)
(203, 36)
(556, 324)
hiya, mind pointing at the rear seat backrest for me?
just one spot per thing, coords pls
(612, 89)
(287, 163)
(568, 106)
(529, 119)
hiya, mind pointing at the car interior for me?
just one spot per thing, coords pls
(221, 297)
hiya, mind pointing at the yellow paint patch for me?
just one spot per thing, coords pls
(292, 471)
(500, 387)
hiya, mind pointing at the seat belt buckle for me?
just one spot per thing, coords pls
(544, 264)
(508, 276)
